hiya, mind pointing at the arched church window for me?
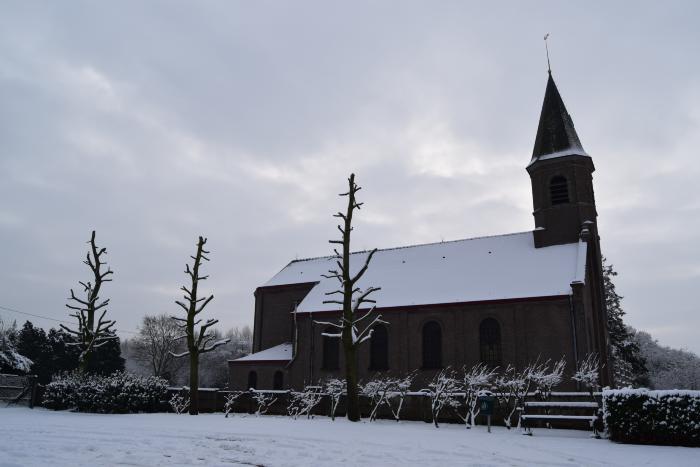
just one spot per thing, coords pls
(331, 350)
(252, 380)
(379, 348)
(278, 380)
(559, 190)
(490, 342)
(432, 345)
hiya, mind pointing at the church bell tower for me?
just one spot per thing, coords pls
(562, 176)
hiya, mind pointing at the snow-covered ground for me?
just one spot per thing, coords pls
(42, 437)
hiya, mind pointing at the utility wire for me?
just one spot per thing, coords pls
(51, 319)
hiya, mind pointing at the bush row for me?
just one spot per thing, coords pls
(653, 417)
(117, 393)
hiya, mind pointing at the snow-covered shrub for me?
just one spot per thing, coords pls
(60, 393)
(546, 378)
(387, 391)
(513, 386)
(303, 402)
(231, 399)
(264, 400)
(588, 373)
(376, 391)
(180, 402)
(401, 388)
(652, 417)
(474, 380)
(334, 389)
(118, 393)
(443, 393)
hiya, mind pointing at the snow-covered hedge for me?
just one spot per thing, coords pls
(118, 393)
(653, 417)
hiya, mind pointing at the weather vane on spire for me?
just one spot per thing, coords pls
(546, 47)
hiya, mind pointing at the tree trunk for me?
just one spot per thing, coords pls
(84, 363)
(194, 384)
(353, 399)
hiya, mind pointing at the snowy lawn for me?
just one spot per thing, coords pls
(42, 437)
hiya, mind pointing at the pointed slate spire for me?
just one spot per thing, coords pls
(556, 135)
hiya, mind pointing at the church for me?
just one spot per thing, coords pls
(502, 300)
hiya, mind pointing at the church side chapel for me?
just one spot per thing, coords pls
(502, 300)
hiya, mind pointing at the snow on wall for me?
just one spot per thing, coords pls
(486, 268)
(282, 352)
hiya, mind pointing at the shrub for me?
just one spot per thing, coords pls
(653, 417)
(118, 393)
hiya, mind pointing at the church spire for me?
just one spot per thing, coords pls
(556, 135)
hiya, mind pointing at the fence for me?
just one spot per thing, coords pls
(19, 389)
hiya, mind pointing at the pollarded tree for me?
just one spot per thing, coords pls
(351, 298)
(204, 341)
(91, 334)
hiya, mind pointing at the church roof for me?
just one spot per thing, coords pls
(278, 353)
(556, 135)
(479, 269)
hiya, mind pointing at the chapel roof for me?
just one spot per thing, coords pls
(478, 269)
(279, 353)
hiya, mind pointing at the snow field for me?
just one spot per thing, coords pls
(41, 437)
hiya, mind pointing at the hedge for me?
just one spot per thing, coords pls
(117, 393)
(642, 416)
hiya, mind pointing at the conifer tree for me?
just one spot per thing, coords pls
(625, 350)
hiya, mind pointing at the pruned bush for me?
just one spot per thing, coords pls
(60, 393)
(653, 417)
(118, 393)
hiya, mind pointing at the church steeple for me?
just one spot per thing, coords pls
(562, 175)
(556, 135)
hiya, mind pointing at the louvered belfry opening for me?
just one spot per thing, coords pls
(559, 190)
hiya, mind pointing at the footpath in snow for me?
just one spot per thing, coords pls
(40, 437)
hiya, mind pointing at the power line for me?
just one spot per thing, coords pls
(51, 319)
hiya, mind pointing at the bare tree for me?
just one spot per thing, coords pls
(91, 335)
(158, 339)
(352, 298)
(204, 341)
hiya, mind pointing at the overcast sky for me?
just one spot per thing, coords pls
(154, 122)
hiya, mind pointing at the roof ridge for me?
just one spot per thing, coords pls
(412, 246)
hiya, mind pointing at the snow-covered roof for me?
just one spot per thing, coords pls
(478, 269)
(282, 353)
